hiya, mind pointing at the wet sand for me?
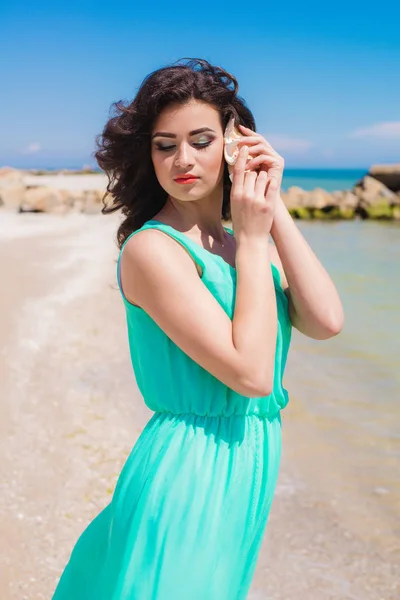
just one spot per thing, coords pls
(71, 412)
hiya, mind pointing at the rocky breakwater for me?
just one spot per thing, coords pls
(62, 192)
(376, 196)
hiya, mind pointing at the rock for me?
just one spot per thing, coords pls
(11, 188)
(370, 191)
(334, 212)
(300, 212)
(344, 205)
(389, 175)
(346, 200)
(319, 198)
(377, 210)
(375, 200)
(346, 213)
(11, 197)
(295, 197)
(8, 175)
(69, 198)
(43, 199)
(74, 200)
(320, 204)
(93, 204)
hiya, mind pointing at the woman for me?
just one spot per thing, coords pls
(209, 313)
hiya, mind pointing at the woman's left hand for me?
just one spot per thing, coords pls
(264, 156)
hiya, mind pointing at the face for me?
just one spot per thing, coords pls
(177, 148)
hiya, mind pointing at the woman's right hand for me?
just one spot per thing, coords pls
(253, 199)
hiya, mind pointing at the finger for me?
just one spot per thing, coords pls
(271, 189)
(274, 169)
(252, 136)
(260, 188)
(238, 169)
(276, 175)
(250, 132)
(261, 148)
(263, 159)
(249, 139)
(244, 129)
(250, 178)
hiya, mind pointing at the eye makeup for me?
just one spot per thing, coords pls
(199, 146)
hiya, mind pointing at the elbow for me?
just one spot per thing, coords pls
(335, 329)
(263, 390)
(324, 328)
(335, 319)
(335, 324)
(329, 329)
(322, 325)
(257, 386)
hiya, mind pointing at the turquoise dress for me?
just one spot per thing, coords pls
(189, 510)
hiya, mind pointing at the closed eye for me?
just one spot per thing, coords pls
(198, 145)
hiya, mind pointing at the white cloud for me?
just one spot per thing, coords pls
(386, 130)
(32, 148)
(284, 143)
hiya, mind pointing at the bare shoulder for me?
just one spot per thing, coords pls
(278, 263)
(150, 255)
(150, 244)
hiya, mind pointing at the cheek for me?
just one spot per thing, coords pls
(210, 159)
(160, 164)
(216, 159)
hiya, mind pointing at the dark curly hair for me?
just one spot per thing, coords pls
(124, 147)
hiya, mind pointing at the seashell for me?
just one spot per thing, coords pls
(231, 137)
(231, 151)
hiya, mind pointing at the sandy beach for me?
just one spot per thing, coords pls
(71, 412)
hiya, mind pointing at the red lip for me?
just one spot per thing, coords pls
(183, 177)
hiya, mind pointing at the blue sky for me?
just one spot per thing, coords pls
(322, 80)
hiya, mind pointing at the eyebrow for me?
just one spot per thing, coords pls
(172, 135)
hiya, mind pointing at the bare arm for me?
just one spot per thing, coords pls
(160, 277)
(314, 305)
(255, 318)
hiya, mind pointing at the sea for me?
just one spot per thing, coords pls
(350, 384)
(328, 179)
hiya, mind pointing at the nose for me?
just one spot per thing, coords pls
(184, 157)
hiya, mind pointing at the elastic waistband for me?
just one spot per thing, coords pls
(171, 414)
